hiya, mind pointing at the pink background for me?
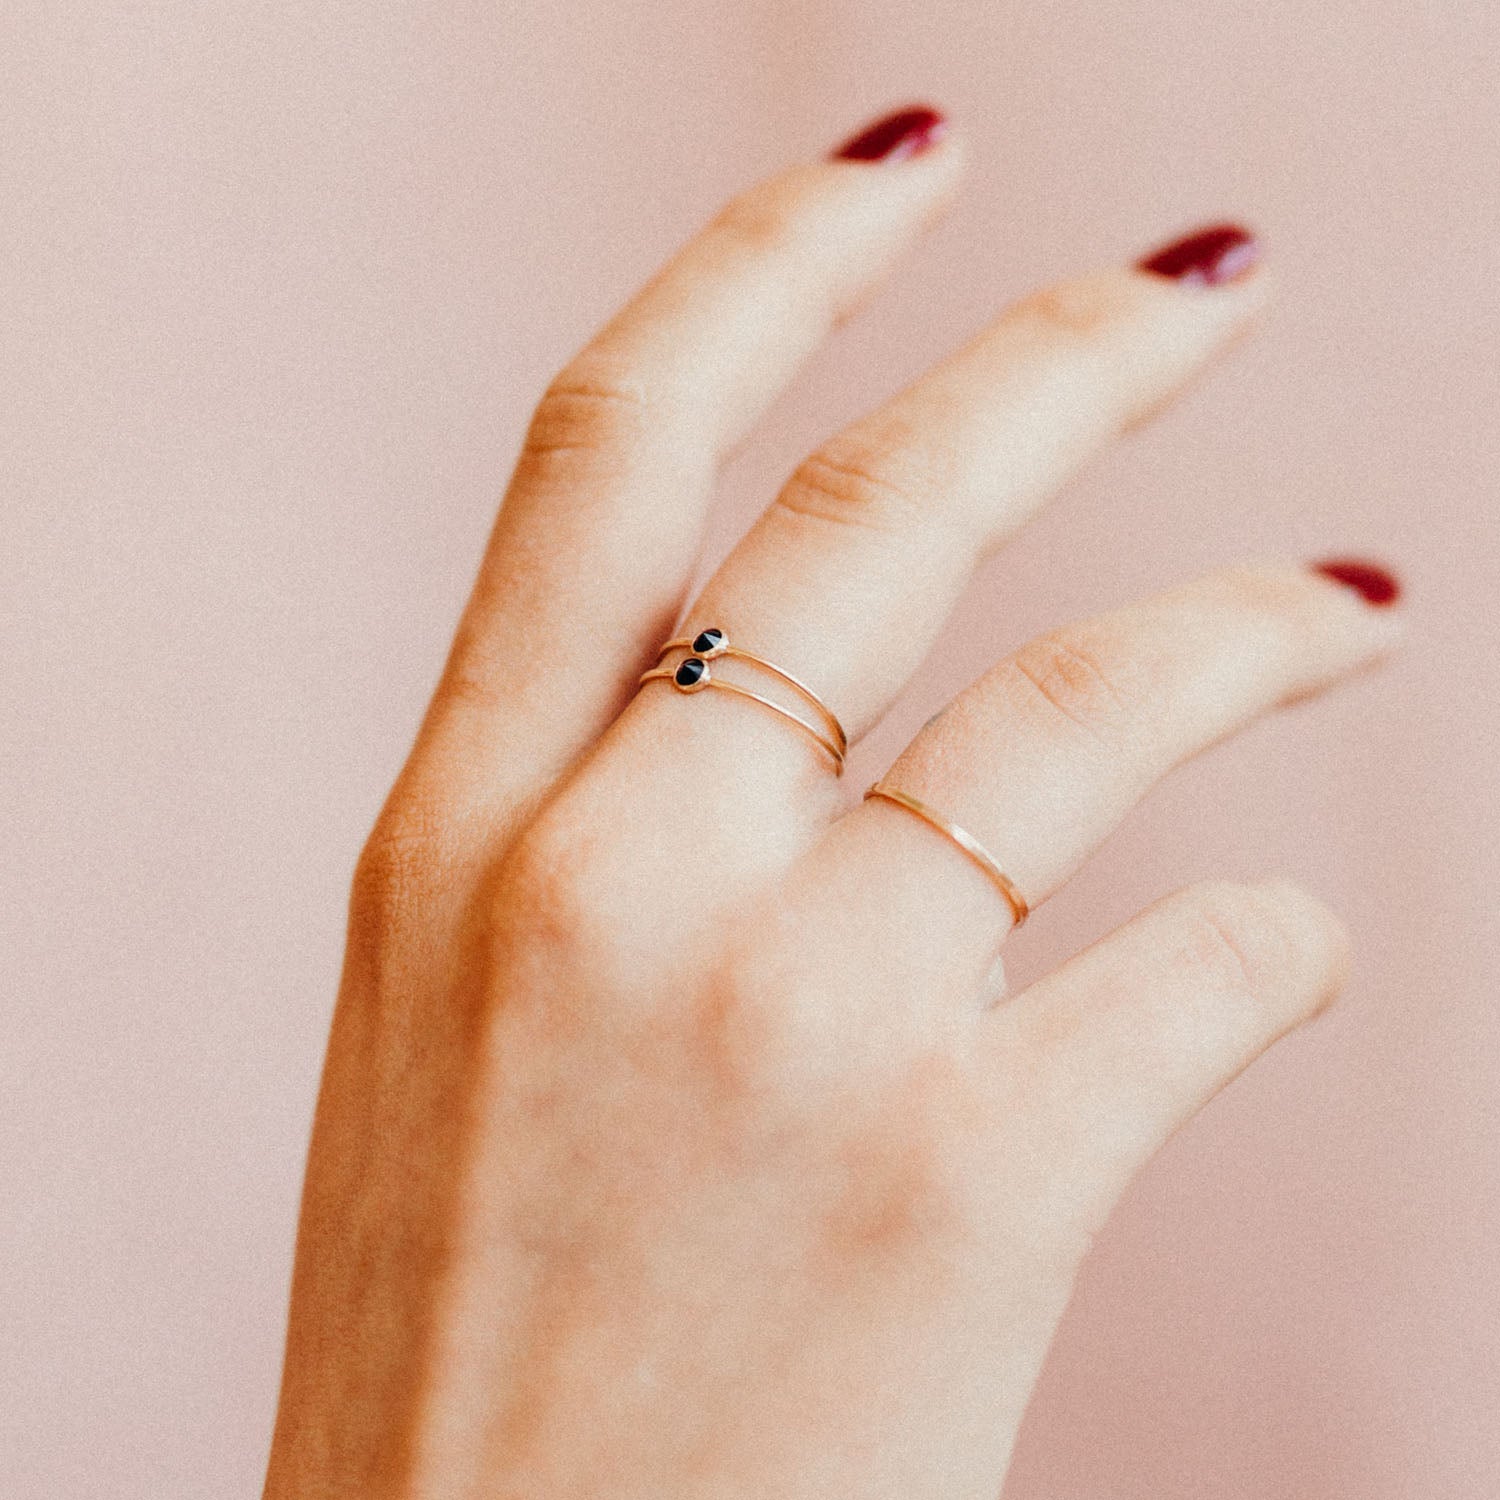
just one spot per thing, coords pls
(281, 282)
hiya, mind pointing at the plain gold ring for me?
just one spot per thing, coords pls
(965, 841)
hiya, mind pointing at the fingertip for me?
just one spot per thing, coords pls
(1374, 583)
(1213, 255)
(1313, 635)
(1218, 276)
(916, 150)
(913, 130)
(1366, 596)
(1313, 933)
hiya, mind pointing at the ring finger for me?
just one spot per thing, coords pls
(1043, 756)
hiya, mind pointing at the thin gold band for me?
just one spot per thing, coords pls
(836, 730)
(965, 841)
(822, 739)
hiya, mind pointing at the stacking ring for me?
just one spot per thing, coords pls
(693, 673)
(965, 841)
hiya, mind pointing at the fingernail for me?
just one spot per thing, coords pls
(1376, 585)
(908, 132)
(1207, 257)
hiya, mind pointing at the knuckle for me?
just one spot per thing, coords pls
(1084, 681)
(860, 482)
(554, 892)
(401, 862)
(596, 409)
(466, 684)
(1226, 938)
(760, 220)
(1260, 941)
(542, 877)
(1077, 311)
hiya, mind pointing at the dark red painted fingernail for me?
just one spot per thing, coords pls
(1376, 585)
(908, 132)
(1207, 257)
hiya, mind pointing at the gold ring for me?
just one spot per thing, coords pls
(711, 643)
(692, 674)
(965, 841)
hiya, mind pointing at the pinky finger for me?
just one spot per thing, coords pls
(1125, 1042)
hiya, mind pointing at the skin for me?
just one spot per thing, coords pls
(678, 1135)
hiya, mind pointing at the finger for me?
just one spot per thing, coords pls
(601, 523)
(1042, 757)
(1129, 1039)
(849, 575)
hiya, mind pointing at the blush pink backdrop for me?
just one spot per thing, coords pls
(280, 283)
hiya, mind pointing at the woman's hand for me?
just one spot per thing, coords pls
(677, 1137)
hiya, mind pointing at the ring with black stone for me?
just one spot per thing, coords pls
(712, 642)
(692, 674)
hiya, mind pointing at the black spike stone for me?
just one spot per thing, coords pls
(690, 672)
(709, 642)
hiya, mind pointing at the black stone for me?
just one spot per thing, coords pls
(689, 671)
(708, 641)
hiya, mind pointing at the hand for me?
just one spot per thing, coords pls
(677, 1136)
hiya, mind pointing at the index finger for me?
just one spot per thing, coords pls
(599, 532)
